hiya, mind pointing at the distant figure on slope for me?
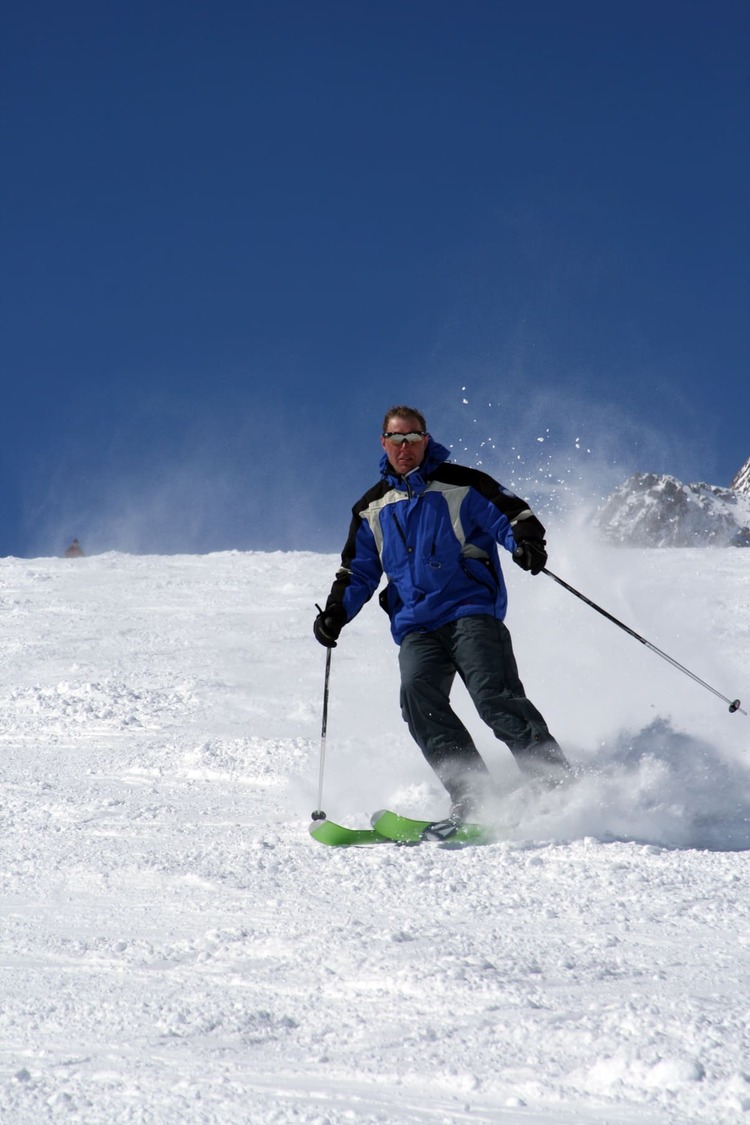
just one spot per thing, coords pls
(433, 529)
(74, 551)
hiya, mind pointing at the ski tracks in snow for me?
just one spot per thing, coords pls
(175, 949)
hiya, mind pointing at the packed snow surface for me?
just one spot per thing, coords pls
(176, 949)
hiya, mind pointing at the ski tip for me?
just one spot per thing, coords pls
(338, 836)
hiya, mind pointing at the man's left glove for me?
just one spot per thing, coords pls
(530, 554)
(328, 625)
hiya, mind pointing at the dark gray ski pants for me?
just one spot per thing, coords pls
(479, 648)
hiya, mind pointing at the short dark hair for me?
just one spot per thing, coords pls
(404, 412)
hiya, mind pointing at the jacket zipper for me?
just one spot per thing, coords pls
(401, 532)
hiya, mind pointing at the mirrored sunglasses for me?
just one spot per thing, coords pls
(399, 439)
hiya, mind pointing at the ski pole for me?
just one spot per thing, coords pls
(318, 813)
(734, 704)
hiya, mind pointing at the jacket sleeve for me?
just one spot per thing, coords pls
(360, 572)
(494, 508)
(526, 526)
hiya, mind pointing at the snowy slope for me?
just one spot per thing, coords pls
(175, 949)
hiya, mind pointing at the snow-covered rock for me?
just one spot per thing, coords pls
(741, 482)
(652, 510)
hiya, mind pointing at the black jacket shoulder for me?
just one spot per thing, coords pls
(465, 477)
(375, 493)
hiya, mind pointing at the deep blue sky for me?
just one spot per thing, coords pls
(233, 233)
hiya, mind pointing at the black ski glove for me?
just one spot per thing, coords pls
(328, 624)
(530, 554)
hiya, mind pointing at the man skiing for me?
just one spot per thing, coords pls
(432, 528)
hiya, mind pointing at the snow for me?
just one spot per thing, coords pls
(176, 949)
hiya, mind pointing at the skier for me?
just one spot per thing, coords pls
(74, 551)
(433, 527)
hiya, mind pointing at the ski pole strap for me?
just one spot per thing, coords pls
(734, 704)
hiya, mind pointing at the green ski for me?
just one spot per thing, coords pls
(404, 830)
(337, 836)
(391, 828)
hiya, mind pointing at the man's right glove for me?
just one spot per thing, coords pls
(530, 554)
(328, 624)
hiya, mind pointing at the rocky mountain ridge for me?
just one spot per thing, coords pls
(741, 482)
(657, 510)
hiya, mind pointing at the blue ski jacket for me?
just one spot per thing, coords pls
(434, 534)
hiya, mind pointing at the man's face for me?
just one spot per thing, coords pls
(408, 455)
